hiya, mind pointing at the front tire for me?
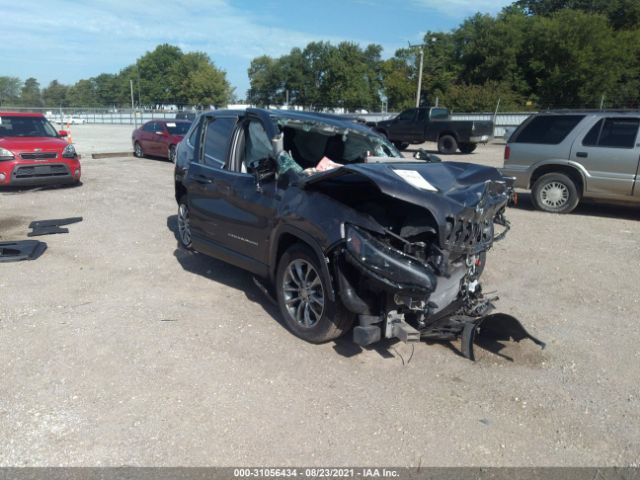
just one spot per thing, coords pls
(401, 145)
(447, 144)
(555, 193)
(302, 291)
(184, 224)
(137, 150)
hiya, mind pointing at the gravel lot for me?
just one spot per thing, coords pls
(117, 348)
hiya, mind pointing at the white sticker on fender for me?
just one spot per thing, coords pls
(414, 179)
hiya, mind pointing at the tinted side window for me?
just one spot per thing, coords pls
(613, 132)
(149, 127)
(591, 139)
(548, 129)
(194, 135)
(619, 132)
(216, 141)
(407, 115)
(439, 113)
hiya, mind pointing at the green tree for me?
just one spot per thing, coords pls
(573, 59)
(206, 85)
(106, 90)
(319, 76)
(265, 81)
(622, 14)
(83, 94)
(195, 80)
(30, 95)
(55, 94)
(9, 89)
(481, 98)
(398, 84)
(153, 70)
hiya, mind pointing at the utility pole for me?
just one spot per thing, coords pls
(135, 120)
(419, 89)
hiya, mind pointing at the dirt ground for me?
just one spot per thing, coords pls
(118, 348)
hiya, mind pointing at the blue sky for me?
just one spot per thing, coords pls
(69, 40)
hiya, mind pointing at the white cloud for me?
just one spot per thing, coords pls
(106, 35)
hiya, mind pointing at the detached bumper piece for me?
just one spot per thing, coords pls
(489, 328)
(21, 250)
(48, 227)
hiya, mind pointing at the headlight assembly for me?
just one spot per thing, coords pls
(387, 262)
(69, 151)
(6, 155)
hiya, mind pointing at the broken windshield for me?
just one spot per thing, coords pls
(313, 147)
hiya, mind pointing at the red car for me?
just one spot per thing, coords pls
(159, 138)
(32, 152)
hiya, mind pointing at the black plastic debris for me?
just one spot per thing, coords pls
(49, 227)
(492, 331)
(21, 250)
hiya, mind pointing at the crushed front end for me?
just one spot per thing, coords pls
(419, 280)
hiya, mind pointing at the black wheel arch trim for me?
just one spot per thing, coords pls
(304, 238)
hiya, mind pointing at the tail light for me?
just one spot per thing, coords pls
(507, 152)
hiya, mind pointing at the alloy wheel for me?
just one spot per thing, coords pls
(303, 293)
(184, 227)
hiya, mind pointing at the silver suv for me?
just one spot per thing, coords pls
(563, 157)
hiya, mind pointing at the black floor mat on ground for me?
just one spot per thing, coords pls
(48, 227)
(21, 250)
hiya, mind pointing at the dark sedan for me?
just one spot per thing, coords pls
(159, 138)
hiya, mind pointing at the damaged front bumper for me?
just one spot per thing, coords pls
(397, 295)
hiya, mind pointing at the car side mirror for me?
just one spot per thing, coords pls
(63, 133)
(422, 154)
(263, 169)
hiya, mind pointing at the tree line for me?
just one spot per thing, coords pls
(164, 76)
(534, 54)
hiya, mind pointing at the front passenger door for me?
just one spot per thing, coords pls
(401, 128)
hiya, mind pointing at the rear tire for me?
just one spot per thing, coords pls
(137, 150)
(555, 193)
(467, 147)
(302, 292)
(184, 224)
(401, 145)
(447, 144)
(171, 153)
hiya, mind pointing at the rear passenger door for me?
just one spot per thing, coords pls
(610, 152)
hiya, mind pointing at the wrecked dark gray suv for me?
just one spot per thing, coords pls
(340, 227)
